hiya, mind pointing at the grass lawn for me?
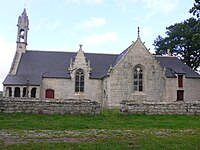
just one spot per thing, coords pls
(107, 130)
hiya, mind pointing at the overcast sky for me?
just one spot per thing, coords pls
(102, 26)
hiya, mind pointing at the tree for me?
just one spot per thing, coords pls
(183, 40)
(195, 10)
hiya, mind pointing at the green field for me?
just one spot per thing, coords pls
(107, 130)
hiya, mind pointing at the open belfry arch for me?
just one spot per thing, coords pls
(22, 33)
(133, 75)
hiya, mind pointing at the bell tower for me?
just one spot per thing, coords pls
(23, 27)
(23, 24)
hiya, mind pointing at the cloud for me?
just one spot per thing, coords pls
(93, 22)
(147, 31)
(27, 3)
(6, 57)
(86, 1)
(161, 5)
(96, 39)
(53, 25)
(43, 24)
(122, 5)
(155, 6)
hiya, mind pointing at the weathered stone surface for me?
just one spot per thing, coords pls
(120, 81)
(10, 105)
(160, 107)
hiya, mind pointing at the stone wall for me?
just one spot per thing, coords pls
(160, 107)
(1, 94)
(10, 105)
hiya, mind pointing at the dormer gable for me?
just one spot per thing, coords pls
(80, 63)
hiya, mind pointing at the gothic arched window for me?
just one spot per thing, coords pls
(138, 79)
(79, 80)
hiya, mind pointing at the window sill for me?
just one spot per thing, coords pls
(79, 93)
(139, 93)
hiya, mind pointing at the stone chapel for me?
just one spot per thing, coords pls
(134, 74)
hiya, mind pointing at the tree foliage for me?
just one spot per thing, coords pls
(195, 10)
(183, 40)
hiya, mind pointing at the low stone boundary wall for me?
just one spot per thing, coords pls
(10, 105)
(160, 107)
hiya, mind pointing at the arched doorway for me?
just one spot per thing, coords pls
(33, 92)
(8, 92)
(17, 92)
(24, 92)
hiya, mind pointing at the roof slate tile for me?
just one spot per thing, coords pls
(35, 65)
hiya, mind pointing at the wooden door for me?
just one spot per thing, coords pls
(49, 94)
(180, 95)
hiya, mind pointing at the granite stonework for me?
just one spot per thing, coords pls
(120, 82)
(69, 106)
(192, 108)
(135, 75)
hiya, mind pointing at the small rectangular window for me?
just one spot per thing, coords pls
(76, 88)
(180, 80)
(135, 83)
(140, 88)
(81, 89)
(135, 76)
(135, 88)
(82, 84)
(140, 76)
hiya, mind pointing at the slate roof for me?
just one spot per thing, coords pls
(173, 66)
(37, 64)
(121, 55)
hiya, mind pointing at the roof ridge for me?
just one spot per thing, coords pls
(50, 51)
(100, 53)
(70, 52)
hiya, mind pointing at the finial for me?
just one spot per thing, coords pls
(138, 32)
(80, 49)
(24, 12)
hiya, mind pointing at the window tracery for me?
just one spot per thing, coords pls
(138, 79)
(79, 80)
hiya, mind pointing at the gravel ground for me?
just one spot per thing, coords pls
(8, 137)
(11, 136)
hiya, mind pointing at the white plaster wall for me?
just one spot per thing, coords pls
(171, 89)
(191, 87)
(65, 89)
